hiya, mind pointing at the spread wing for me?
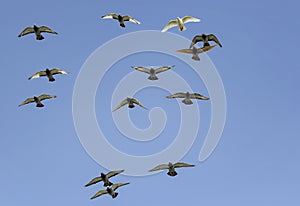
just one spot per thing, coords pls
(124, 102)
(110, 16)
(196, 39)
(101, 192)
(160, 167)
(187, 19)
(186, 51)
(27, 30)
(164, 68)
(182, 164)
(46, 96)
(47, 29)
(138, 103)
(177, 95)
(28, 100)
(114, 173)
(212, 37)
(141, 69)
(198, 96)
(94, 181)
(169, 25)
(116, 186)
(129, 18)
(58, 71)
(37, 75)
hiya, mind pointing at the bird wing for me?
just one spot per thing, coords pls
(186, 51)
(169, 25)
(212, 37)
(206, 48)
(28, 100)
(198, 96)
(141, 69)
(116, 186)
(47, 29)
(124, 102)
(177, 95)
(162, 69)
(110, 16)
(38, 74)
(101, 192)
(160, 167)
(114, 173)
(196, 39)
(58, 71)
(182, 164)
(94, 181)
(46, 96)
(187, 19)
(129, 18)
(27, 30)
(138, 103)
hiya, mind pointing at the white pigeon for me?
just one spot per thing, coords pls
(180, 23)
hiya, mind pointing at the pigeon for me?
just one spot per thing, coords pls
(130, 101)
(37, 30)
(180, 23)
(187, 97)
(152, 71)
(104, 177)
(110, 190)
(37, 100)
(195, 51)
(171, 167)
(120, 18)
(205, 38)
(48, 73)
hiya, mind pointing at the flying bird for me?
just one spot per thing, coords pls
(180, 23)
(195, 51)
(205, 38)
(48, 73)
(120, 18)
(171, 167)
(152, 71)
(104, 177)
(130, 102)
(187, 97)
(37, 31)
(37, 100)
(110, 190)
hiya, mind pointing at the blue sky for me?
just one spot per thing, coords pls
(255, 163)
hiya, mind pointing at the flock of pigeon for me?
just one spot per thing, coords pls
(152, 72)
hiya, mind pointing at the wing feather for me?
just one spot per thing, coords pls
(129, 18)
(110, 16)
(182, 164)
(58, 71)
(164, 68)
(141, 69)
(114, 173)
(138, 103)
(47, 30)
(27, 30)
(37, 75)
(27, 101)
(116, 186)
(124, 102)
(212, 37)
(46, 96)
(169, 25)
(186, 51)
(187, 19)
(160, 167)
(177, 95)
(101, 192)
(94, 181)
(196, 39)
(198, 96)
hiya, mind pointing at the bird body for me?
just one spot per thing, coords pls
(171, 167)
(180, 23)
(105, 178)
(187, 97)
(120, 18)
(37, 31)
(37, 100)
(205, 38)
(152, 71)
(130, 101)
(110, 190)
(48, 73)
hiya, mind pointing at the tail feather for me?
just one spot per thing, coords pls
(115, 195)
(153, 78)
(196, 57)
(122, 24)
(39, 37)
(182, 27)
(51, 79)
(39, 105)
(187, 101)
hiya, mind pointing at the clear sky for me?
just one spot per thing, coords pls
(257, 159)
